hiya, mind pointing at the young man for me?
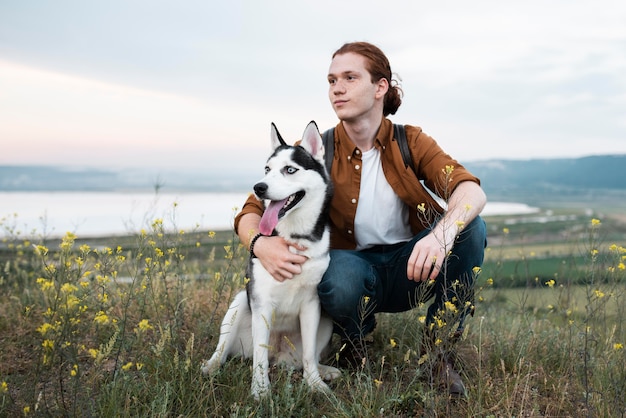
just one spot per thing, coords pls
(393, 246)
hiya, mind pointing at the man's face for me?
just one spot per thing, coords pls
(351, 91)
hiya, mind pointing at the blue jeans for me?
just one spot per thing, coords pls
(359, 284)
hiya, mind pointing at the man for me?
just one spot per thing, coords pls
(393, 246)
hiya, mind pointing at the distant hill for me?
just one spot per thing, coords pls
(525, 181)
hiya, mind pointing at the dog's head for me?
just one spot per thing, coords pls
(293, 175)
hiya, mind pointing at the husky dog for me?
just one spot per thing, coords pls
(277, 321)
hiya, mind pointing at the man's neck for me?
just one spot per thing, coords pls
(362, 133)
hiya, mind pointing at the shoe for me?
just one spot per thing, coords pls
(352, 354)
(447, 378)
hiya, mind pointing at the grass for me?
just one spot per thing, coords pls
(119, 327)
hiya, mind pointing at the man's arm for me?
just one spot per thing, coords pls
(464, 205)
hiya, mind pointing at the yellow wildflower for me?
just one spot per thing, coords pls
(4, 387)
(144, 325)
(378, 383)
(421, 207)
(448, 170)
(392, 342)
(366, 299)
(618, 346)
(68, 288)
(74, 370)
(45, 284)
(211, 234)
(450, 306)
(550, 283)
(490, 281)
(127, 366)
(101, 318)
(44, 328)
(595, 222)
(48, 344)
(68, 241)
(93, 352)
(41, 250)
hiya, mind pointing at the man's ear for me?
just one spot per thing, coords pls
(382, 87)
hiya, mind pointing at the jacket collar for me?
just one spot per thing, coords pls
(382, 140)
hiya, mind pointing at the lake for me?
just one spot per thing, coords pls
(92, 214)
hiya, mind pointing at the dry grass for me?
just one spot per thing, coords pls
(554, 351)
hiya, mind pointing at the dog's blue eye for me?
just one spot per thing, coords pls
(290, 170)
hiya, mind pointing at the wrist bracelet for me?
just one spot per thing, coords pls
(252, 242)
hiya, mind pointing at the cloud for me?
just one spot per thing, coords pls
(198, 83)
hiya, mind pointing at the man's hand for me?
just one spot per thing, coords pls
(276, 257)
(426, 259)
(429, 253)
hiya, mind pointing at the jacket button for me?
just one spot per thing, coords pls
(353, 200)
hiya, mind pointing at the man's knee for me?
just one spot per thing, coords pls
(471, 243)
(344, 282)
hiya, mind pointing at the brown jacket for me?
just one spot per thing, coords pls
(431, 165)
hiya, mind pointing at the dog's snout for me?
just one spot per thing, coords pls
(260, 189)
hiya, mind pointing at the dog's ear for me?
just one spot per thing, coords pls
(312, 141)
(277, 140)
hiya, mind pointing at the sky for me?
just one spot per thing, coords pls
(195, 84)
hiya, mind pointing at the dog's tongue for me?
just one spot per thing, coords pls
(270, 216)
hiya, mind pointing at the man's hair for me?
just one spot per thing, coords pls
(378, 66)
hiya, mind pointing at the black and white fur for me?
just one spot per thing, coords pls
(281, 322)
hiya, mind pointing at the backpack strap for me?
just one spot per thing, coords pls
(328, 139)
(400, 134)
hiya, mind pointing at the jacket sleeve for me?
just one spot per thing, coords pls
(252, 205)
(440, 172)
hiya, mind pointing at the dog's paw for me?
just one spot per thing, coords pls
(210, 366)
(329, 373)
(318, 385)
(260, 390)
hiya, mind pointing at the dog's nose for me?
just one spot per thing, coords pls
(260, 189)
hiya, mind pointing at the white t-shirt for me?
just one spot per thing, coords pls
(381, 217)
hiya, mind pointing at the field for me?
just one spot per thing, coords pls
(120, 326)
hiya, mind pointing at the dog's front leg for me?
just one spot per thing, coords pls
(309, 322)
(261, 326)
